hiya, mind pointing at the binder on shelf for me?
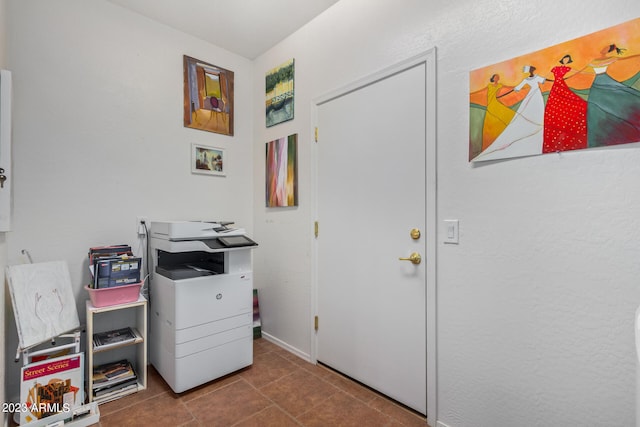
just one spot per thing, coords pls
(120, 271)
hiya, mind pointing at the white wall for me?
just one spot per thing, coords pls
(536, 304)
(3, 37)
(3, 244)
(98, 133)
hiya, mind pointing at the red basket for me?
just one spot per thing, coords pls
(114, 296)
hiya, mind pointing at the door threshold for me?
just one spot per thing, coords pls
(373, 390)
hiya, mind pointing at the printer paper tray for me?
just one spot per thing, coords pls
(214, 340)
(192, 246)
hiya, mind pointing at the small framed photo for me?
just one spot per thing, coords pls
(207, 160)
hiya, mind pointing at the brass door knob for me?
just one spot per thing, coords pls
(415, 258)
(415, 233)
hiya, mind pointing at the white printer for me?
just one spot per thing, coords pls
(201, 301)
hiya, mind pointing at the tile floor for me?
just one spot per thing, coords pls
(279, 390)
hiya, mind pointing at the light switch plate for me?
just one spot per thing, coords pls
(451, 231)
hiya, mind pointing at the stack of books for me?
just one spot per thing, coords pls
(113, 380)
(113, 266)
(104, 340)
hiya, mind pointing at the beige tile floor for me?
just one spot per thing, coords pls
(279, 390)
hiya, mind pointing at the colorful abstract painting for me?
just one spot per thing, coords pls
(279, 94)
(208, 97)
(282, 172)
(584, 93)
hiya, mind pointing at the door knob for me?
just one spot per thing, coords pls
(415, 233)
(415, 258)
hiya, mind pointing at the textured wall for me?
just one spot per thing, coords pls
(536, 303)
(3, 244)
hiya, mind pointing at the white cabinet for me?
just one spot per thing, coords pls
(102, 319)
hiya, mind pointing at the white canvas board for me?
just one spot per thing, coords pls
(43, 301)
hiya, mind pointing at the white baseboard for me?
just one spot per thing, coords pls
(441, 424)
(287, 347)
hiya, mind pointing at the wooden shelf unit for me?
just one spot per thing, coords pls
(140, 330)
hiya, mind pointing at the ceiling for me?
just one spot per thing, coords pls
(245, 27)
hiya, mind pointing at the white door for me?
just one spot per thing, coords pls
(371, 173)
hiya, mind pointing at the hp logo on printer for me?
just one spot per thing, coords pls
(219, 296)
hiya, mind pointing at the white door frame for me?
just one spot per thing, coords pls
(429, 60)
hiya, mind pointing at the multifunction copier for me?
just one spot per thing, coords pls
(201, 301)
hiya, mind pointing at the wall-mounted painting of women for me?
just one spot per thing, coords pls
(579, 94)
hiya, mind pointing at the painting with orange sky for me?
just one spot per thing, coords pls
(584, 93)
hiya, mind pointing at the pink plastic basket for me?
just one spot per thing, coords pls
(114, 296)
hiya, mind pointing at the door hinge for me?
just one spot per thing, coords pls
(315, 323)
(316, 134)
(315, 229)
